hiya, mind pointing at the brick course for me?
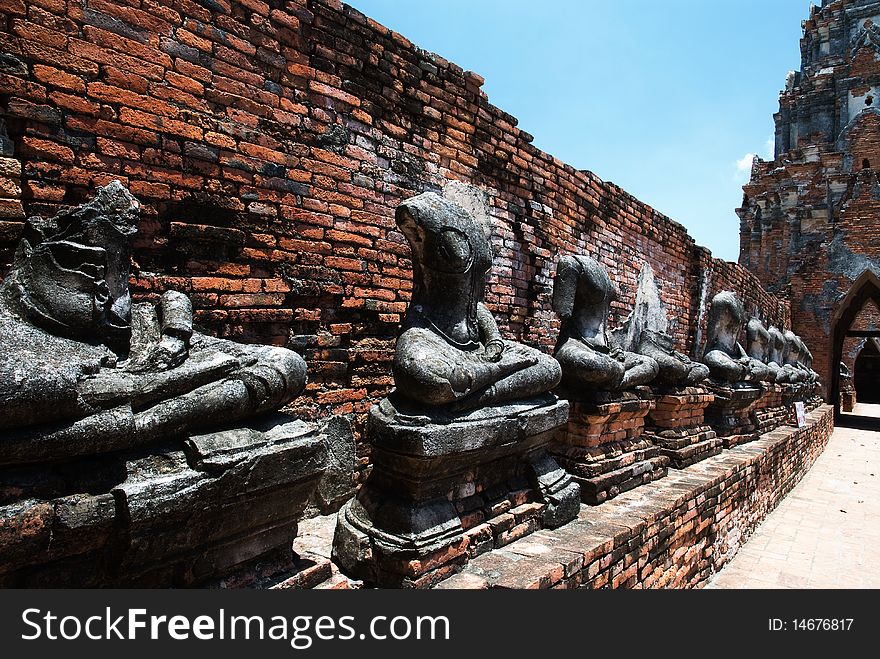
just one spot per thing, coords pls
(673, 533)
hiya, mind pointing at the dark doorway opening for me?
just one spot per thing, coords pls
(864, 289)
(866, 377)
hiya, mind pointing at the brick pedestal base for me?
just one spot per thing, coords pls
(798, 392)
(814, 400)
(446, 489)
(769, 413)
(602, 446)
(199, 510)
(676, 425)
(729, 413)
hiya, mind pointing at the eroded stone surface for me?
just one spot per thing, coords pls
(122, 429)
(459, 447)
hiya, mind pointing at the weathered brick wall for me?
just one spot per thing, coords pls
(673, 533)
(270, 144)
(867, 320)
(695, 538)
(810, 220)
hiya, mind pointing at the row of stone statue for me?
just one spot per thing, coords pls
(85, 372)
(472, 416)
(451, 352)
(75, 346)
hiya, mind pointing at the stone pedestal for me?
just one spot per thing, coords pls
(444, 489)
(847, 401)
(184, 513)
(729, 412)
(602, 446)
(769, 413)
(797, 392)
(676, 425)
(814, 399)
(793, 393)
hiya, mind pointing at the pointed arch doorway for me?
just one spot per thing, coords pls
(864, 289)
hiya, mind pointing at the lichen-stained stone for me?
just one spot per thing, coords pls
(646, 332)
(269, 200)
(459, 447)
(601, 445)
(735, 377)
(135, 450)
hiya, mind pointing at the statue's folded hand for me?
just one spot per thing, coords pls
(493, 351)
(168, 353)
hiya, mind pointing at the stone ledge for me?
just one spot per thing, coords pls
(672, 533)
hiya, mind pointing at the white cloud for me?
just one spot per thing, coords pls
(770, 147)
(744, 164)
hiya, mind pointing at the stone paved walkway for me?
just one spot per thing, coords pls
(826, 533)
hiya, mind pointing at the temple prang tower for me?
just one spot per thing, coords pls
(810, 219)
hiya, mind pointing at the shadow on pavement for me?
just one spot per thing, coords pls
(858, 421)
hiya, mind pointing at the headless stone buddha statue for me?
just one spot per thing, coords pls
(646, 332)
(758, 347)
(582, 296)
(450, 352)
(728, 362)
(807, 360)
(83, 370)
(793, 358)
(785, 374)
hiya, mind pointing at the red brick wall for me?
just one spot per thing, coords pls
(819, 228)
(270, 144)
(867, 320)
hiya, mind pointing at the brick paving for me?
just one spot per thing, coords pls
(826, 533)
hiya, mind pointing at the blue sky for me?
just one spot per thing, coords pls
(667, 98)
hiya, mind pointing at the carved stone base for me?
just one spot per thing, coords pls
(814, 399)
(446, 488)
(602, 445)
(676, 425)
(794, 393)
(186, 513)
(769, 413)
(729, 413)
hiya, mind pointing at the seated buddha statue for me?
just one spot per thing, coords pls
(582, 296)
(807, 360)
(793, 358)
(646, 332)
(728, 362)
(84, 370)
(450, 352)
(758, 348)
(785, 374)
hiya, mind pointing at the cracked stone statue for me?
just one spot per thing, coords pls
(725, 356)
(582, 296)
(797, 357)
(450, 353)
(792, 358)
(807, 360)
(85, 371)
